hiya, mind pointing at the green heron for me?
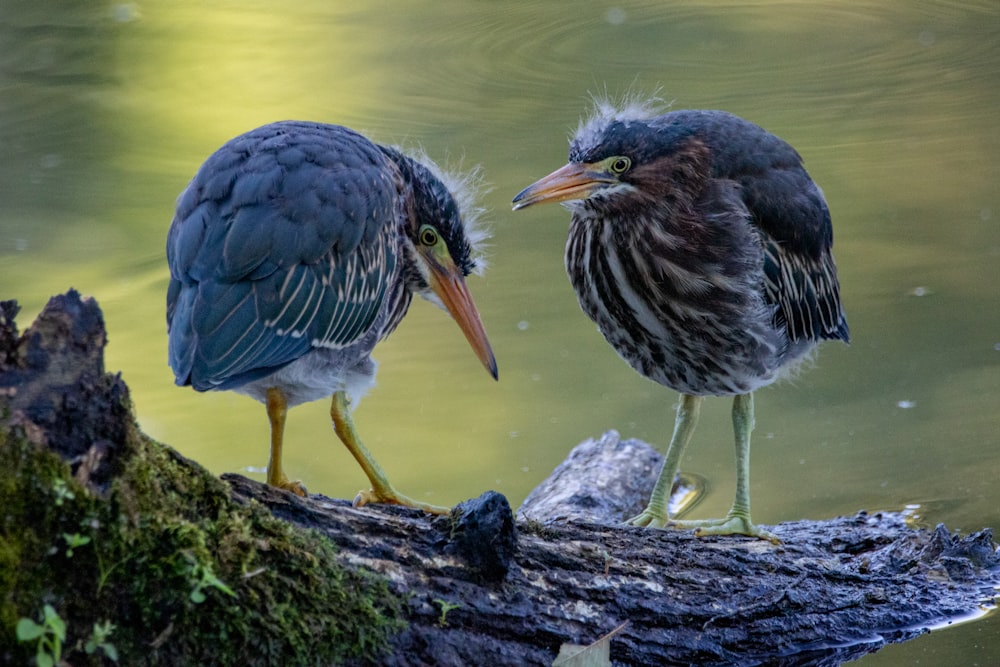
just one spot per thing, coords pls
(700, 247)
(294, 250)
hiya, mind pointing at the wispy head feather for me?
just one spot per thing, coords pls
(607, 108)
(467, 187)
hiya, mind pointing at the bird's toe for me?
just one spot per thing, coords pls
(365, 497)
(296, 487)
(731, 525)
(649, 518)
(393, 497)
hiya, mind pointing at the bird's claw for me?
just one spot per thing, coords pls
(296, 487)
(392, 497)
(365, 497)
(732, 525)
(649, 518)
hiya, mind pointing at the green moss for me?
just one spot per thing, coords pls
(266, 593)
(534, 527)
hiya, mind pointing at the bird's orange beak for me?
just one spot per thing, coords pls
(574, 181)
(449, 285)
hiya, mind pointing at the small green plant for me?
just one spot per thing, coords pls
(50, 635)
(104, 570)
(202, 577)
(445, 608)
(73, 541)
(99, 641)
(62, 491)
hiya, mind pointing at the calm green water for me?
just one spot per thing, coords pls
(106, 111)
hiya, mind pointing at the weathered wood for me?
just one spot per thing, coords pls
(477, 591)
(832, 591)
(606, 480)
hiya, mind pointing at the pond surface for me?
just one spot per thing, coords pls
(107, 110)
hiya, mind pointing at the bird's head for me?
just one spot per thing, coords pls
(444, 237)
(622, 158)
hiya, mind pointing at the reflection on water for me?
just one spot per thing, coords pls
(106, 112)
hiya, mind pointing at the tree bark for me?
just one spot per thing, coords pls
(832, 591)
(480, 588)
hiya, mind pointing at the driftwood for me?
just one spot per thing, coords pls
(479, 588)
(832, 591)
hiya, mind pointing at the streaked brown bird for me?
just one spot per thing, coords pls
(294, 250)
(701, 248)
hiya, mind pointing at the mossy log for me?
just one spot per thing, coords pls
(191, 569)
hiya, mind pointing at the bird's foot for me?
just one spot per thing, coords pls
(650, 518)
(734, 524)
(296, 487)
(393, 497)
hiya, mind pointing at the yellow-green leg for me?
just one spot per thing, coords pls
(656, 514)
(382, 491)
(737, 522)
(277, 410)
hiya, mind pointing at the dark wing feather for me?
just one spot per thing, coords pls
(266, 254)
(791, 213)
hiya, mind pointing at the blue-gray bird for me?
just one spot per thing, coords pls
(702, 249)
(295, 249)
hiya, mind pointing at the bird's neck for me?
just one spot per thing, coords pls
(398, 299)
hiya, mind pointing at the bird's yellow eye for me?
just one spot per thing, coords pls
(619, 165)
(428, 236)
